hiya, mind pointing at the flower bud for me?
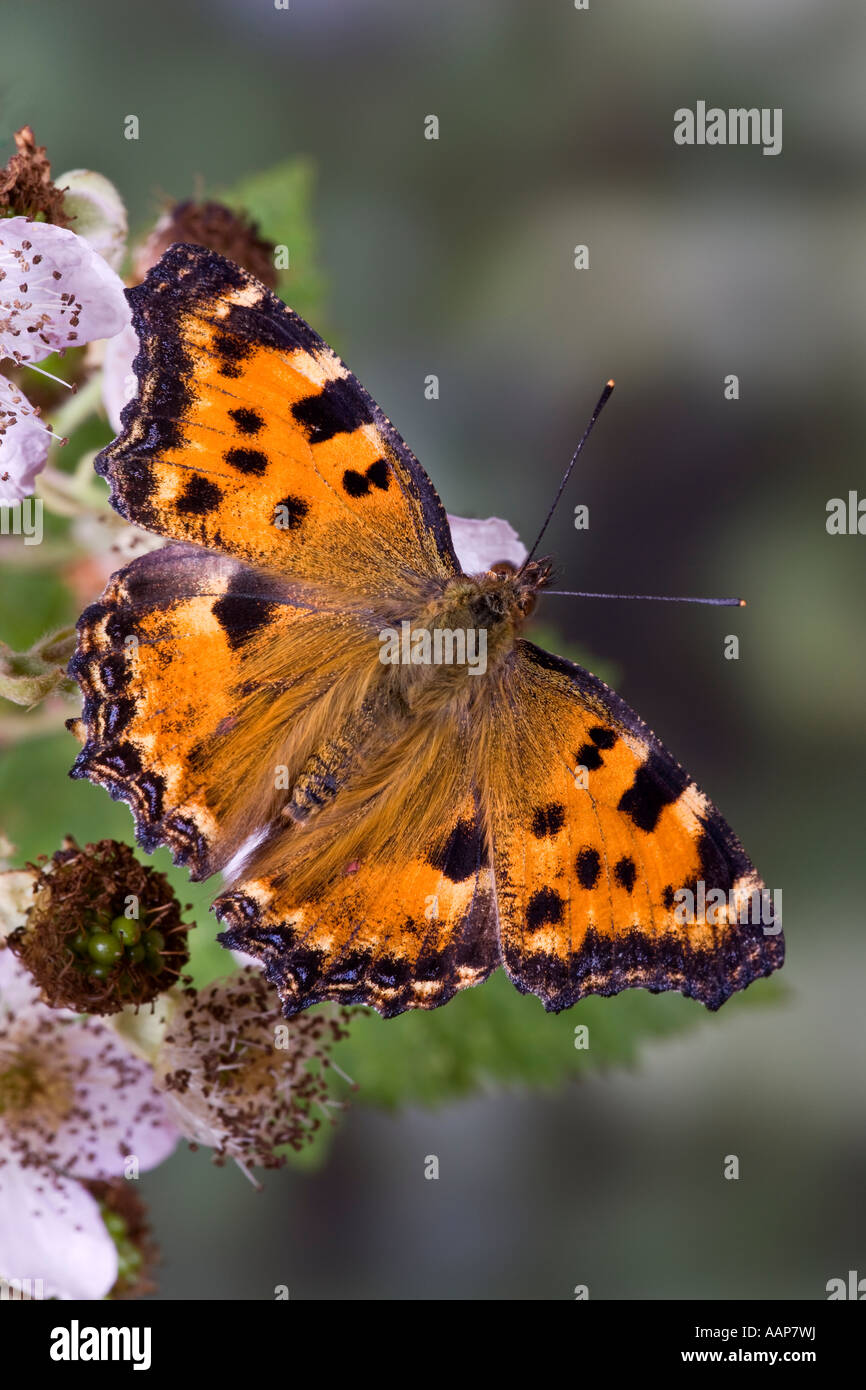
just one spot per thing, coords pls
(212, 225)
(103, 931)
(97, 212)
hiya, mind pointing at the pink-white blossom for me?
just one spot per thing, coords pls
(74, 1104)
(119, 382)
(55, 291)
(482, 544)
(53, 1236)
(24, 442)
(98, 212)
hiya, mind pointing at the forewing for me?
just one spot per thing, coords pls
(249, 436)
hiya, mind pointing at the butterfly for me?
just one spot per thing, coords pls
(390, 830)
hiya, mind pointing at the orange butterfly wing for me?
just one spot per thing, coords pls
(405, 926)
(589, 879)
(250, 436)
(191, 666)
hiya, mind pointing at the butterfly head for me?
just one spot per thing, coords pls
(498, 600)
(521, 587)
(473, 619)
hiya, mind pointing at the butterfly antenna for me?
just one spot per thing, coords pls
(653, 598)
(600, 404)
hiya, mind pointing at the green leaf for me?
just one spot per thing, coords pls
(279, 200)
(491, 1034)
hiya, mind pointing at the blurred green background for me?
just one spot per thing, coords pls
(455, 257)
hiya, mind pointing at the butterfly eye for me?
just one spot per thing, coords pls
(526, 601)
(503, 567)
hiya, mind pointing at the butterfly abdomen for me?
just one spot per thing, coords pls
(330, 766)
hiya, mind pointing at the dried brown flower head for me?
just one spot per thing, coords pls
(104, 931)
(212, 225)
(26, 188)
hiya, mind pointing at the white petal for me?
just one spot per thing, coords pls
(118, 1114)
(22, 1012)
(19, 996)
(97, 207)
(50, 278)
(16, 898)
(24, 442)
(113, 1112)
(482, 544)
(119, 383)
(51, 1230)
(142, 1030)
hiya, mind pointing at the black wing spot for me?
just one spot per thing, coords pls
(548, 820)
(588, 756)
(625, 873)
(337, 409)
(116, 715)
(239, 615)
(379, 474)
(305, 969)
(668, 896)
(587, 866)
(390, 972)
(250, 461)
(358, 484)
(459, 857)
(351, 968)
(112, 672)
(355, 483)
(200, 496)
(657, 783)
(119, 625)
(431, 966)
(248, 421)
(544, 908)
(290, 512)
(601, 737)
